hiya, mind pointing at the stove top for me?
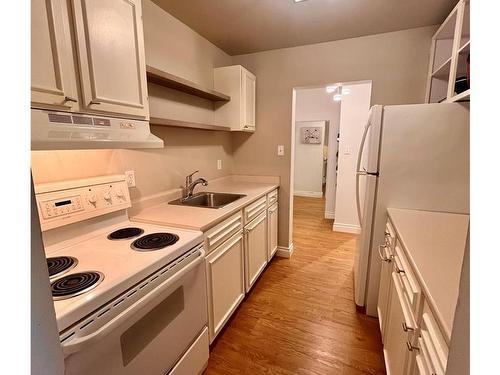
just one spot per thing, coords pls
(60, 265)
(154, 241)
(125, 233)
(75, 284)
(119, 264)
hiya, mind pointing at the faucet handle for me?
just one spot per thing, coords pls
(189, 178)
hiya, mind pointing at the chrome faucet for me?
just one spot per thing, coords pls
(190, 185)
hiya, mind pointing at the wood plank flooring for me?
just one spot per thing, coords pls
(300, 316)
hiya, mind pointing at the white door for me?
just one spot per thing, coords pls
(255, 248)
(225, 282)
(248, 90)
(272, 222)
(111, 54)
(366, 188)
(53, 78)
(395, 348)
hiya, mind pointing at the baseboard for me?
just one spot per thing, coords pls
(310, 194)
(329, 214)
(285, 252)
(346, 228)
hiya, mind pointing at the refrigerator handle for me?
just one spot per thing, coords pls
(360, 172)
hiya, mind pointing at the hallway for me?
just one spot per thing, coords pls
(300, 317)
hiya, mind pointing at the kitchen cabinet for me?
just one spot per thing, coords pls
(53, 76)
(225, 282)
(110, 44)
(448, 77)
(399, 329)
(272, 224)
(255, 234)
(240, 84)
(109, 51)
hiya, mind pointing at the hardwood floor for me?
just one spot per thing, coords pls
(300, 317)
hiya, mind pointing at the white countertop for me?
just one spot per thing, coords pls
(204, 218)
(435, 244)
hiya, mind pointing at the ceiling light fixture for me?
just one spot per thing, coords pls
(346, 91)
(330, 89)
(298, 1)
(337, 98)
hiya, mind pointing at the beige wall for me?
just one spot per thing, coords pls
(174, 47)
(395, 62)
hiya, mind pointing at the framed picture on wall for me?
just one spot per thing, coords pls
(311, 135)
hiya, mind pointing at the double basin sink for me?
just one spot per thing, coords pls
(208, 200)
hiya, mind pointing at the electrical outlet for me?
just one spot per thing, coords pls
(281, 150)
(219, 164)
(130, 178)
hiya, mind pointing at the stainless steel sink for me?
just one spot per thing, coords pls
(208, 200)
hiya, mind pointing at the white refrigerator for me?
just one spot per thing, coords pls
(410, 156)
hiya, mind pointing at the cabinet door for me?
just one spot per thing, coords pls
(272, 223)
(111, 55)
(255, 248)
(53, 78)
(395, 348)
(384, 287)
(225, 282)
(248, 93)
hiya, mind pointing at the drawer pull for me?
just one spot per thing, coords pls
(382, 257)
(70, 99)
(411, 347)
(407, 328)
(94, 102)
(398, 270)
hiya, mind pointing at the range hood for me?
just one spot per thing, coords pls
(54, 130)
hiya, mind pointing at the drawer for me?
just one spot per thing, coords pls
(253, 210)
(410, 323)
(194, 361)
(272, 197)
(432, 344)
(411, 287)
(224, 230)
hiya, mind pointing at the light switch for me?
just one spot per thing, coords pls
(219, 164)
(281, 150)
(130, 178)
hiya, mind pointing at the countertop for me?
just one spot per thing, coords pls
(204, 218)
(435, 244)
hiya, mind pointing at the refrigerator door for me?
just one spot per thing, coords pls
(366, 186)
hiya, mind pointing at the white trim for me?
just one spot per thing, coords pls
(285, 252)
(310, 194)
(346, 228)
(329, 214)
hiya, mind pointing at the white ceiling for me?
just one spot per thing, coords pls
(244, 26)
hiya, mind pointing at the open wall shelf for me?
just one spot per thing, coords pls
(165, 79)
(186, 124)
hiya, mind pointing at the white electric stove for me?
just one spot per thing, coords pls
(131, 290)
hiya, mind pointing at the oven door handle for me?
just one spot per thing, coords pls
(78, 343)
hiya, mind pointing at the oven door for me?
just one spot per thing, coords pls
(151, 335)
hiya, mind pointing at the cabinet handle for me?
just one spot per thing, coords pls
(397, 269)
(94, 102)
(70, 99)
(383, 258)
(411, 347)
(407, 328)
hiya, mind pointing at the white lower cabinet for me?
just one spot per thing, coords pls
(255, 234)
(398, 331)
(225, 282)
(384, 295)
(272, 233)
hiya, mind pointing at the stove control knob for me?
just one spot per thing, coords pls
(92, 198)
(107, 195)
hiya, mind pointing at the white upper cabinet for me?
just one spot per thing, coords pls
(110, 46)
(240, 85)
(53, 78)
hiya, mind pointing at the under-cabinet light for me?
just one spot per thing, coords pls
(337, 98)
(330, 89)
